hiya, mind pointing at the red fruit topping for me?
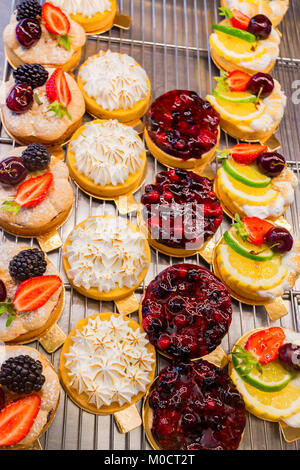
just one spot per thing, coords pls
(257, 229)
(2, 398)
(57, 88)
(55, 20)
(196, 406)
(240, 20)
(28, 32)
(190, 307)
(20, 98)
(182, 124)
(35, 292)
(238, 80)
(186, 210)
(264, 344)
(17, 418)
(247, 153)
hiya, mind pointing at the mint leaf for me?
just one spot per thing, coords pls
(223, 153)
(247, 361)
(59, 110)
(37, 99)
(10, 319)
(223, 11)
(11, 206)
(222, 84)
(64, 40)
(240, 227)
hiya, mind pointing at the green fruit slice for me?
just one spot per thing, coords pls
(245, 248)
(273, 378)
(238, 33)
(247, 99)
(246, 174)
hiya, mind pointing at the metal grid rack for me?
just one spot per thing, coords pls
(169, 38)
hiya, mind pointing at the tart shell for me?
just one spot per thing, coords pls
(97, 23)
(275, 19)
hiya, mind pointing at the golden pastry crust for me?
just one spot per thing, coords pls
(49, 394)
(45, 51)
(34, 324)
(265, 9)
(37, 125)
(51, 213)
(98, 23)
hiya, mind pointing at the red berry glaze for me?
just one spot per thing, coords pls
(182, 124)
(196, 406)
(179, 196)
(186, 311)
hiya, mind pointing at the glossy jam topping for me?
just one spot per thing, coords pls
(196, 407)
(186, 311)
(181, 209)
(182, 124)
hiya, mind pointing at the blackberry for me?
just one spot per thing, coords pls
(34, 75)
(28, 9)
(22, 374)
(27, 264)
(36, 157)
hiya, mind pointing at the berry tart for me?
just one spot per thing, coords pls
(92, 15)
(46, 35)
(273, 9)
(107, 159)
(106, 258)
(265, 367)
(115, 86)
(107, 364)
(194, 406)
(36, 195)
(186, 311)
(182, 130)
(253, 181)
(244, 43)
(31, 294)
(257, 260)
(29, 396)
(42, 105)
(180, 212)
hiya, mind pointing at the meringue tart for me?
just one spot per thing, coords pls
(273, 9)
(106, 258)
(106, 364)
(106, 158)
(92, 15)
(114, 86)
(32, 411)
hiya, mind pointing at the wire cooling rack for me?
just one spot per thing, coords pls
(169, 38)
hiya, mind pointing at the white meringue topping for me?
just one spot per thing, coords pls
(85, 7)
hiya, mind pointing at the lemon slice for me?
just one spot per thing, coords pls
(235, 49)
(245, 248)
(247, 174)
(237, 112)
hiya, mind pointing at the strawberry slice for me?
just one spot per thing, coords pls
(57, 88)
(256, 229)
(264, 344)
(35, 292)
(56, 22)
(247, 153)
(17, 418)
(240, 20)
(238, 80)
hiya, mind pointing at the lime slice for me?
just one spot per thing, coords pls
(246, 174)
(238, 33)
(273, 378)
(245, 248)
(231, 99)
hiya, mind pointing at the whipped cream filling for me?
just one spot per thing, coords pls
(109, 361)
(106, 254)
(275, 106)
(114, 80)
(278, 7)
(84, 7)
(108, 152)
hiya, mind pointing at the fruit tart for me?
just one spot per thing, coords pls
(182, 130)
(257, 260)
(106, 158)
(46, 35)
(107, 364)
(31, 294)
(92, 15)
(36, 195)
(115, 86)
(186, 311)
(29, 396)
(180, 212)
(194, 406)
(106, 258)
(244, 43)
(251, 107)
(273, 9)
(265, 368)
(42, 105)
(254, 182)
